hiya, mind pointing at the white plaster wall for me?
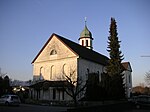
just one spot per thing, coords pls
(62, 51)
(48, 95)
(128, 82)
(71, 64)
(46, 61)
(89, 42)
(93, 67)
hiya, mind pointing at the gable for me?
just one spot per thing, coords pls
(54, 49)
(84, 52)
(68, 48)
(127, 66)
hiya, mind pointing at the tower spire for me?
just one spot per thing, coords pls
(85, 20)
(86, 37)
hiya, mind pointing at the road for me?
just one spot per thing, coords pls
(139, 111)
(38, 108)
(32, 108)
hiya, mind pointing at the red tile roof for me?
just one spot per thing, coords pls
(126, 65)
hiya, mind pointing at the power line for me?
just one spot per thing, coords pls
(145, 56)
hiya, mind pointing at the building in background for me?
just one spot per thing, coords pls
(127, 78)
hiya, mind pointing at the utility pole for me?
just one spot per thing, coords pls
(145, 56)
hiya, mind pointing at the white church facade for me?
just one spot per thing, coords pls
(60, 56)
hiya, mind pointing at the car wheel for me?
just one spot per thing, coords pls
(138, 106)
(6, 103)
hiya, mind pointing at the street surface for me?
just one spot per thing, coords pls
(32, 108)
(38, 108)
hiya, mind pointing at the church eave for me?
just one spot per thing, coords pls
(57, 36)
(78, 50)
(42, 48)
(127, 65)
(85, 37)
(104, 63)
(66, 45)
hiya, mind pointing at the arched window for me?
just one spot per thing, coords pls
(100, 77)
(41, 73)
(53, 52)
(87, 73)
(87, 43)
(82, 42)
(129, 78)
(52, 72)
(65, 69)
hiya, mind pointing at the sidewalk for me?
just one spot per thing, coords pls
(109, 106)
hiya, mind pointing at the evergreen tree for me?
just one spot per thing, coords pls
(6, 84)
(105, 84)
(93, 89)
(114, 68)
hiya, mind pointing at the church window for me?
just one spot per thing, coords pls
(54, 94)
(65, 70)
(41, 73)
(52, 72)
(53, 52)
(41, 69)
(82, 42)
(129, 78)
(100, 77)
(86, 42)
(87, 70)
(87, 73)
(63, 95)
(91, 43)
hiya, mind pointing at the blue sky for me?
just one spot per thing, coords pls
(25, 26)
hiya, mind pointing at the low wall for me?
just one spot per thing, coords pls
(116, 107)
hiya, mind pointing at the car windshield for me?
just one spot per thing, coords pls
(143, 98)
(14, 97)
(5, 96)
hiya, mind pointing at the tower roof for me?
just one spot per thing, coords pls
(85, 33)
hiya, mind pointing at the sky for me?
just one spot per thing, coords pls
(25, 26)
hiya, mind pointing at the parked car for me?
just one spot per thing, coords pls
(141, 101)
(10, 100)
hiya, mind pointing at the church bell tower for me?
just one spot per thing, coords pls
(86, 38)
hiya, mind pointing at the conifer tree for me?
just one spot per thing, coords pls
(114, 68)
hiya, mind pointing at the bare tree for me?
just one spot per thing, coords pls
(2, 74)
(4, 83)
(147, 77)
(77, 85)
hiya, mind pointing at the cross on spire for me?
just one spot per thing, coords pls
(85, 19)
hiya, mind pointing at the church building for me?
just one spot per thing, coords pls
(61, 56)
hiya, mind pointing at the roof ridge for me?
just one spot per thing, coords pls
(84, 52)
(79, 45)
(78, 49)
